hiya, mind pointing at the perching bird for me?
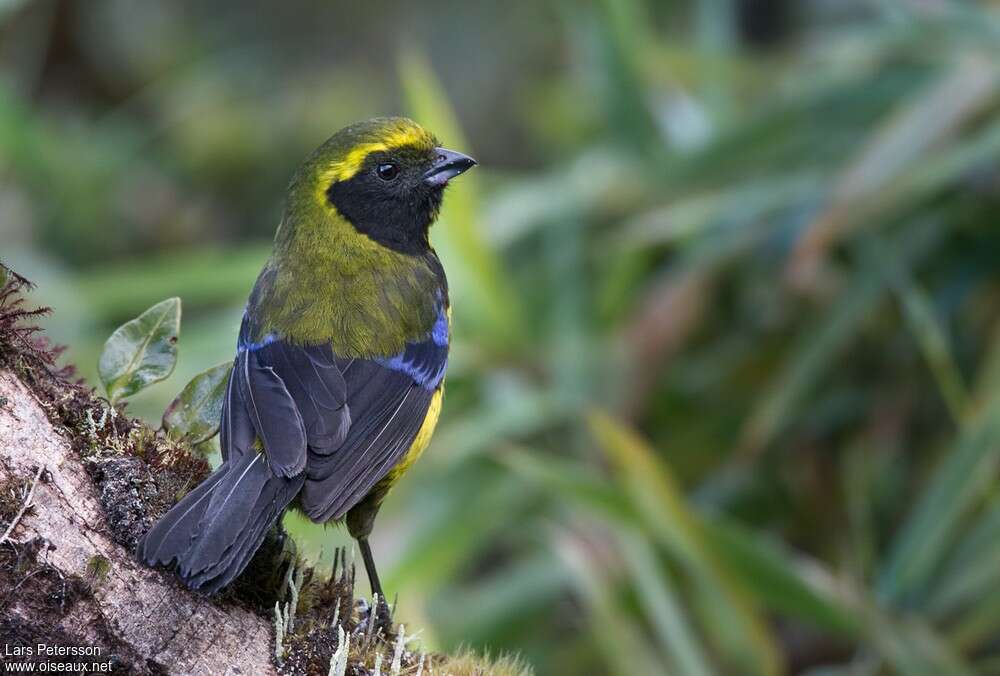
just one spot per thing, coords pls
(340, 363)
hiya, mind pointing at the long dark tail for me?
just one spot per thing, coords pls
(213, 532)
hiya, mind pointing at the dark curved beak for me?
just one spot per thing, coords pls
(447, 165)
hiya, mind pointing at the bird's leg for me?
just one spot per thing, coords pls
(366, 554)
(380, 614)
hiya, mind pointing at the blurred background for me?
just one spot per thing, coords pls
(724, 394)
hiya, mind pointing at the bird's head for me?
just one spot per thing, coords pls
(385, 177)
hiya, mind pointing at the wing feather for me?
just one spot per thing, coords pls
(389, 399)
(275, 416)
(318, 388)
(236, 433)
(389, 408)
(346, 421)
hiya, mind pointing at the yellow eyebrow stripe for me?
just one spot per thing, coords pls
(346, 168)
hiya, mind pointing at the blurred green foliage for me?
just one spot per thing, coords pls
(725, 390)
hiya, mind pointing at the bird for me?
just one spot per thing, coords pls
(338, 378)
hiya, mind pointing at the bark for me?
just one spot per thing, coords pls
(143, 616)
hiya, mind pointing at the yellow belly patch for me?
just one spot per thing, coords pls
(422, 439)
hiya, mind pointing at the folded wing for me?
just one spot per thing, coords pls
(354, 419)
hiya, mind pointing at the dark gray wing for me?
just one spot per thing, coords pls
(389, 400)
(388, 408)
(354, 419)
(289, 397)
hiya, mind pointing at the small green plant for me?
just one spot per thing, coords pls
(98, 568)
(143, 352)
(193, 416)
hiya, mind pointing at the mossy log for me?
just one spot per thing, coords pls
(97, 593)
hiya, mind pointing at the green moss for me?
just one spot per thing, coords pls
(98, 568)
(470, 663)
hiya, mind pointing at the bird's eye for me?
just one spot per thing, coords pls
(387, 171)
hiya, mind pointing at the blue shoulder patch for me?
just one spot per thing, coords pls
(427, 360)
(439, 334)
(253, 347)
(244, 344)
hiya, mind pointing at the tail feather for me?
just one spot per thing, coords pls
(227, 515)
(171, 536)
(234, 558)
(237, 557)
(215, 530)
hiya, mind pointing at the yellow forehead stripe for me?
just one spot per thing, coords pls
(398, 137)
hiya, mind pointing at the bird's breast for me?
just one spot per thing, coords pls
(371, 310)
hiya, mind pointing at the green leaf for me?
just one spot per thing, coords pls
(912, 647)
(478, 611)
(809, 359)
(459, 523)
(794, 587)
(194, 415)
(571, 482)
(930, 334)
(956, 487)
(976, 627)
(528, 413)
(815, 353)
(899, 146)
(617, 33)
(971, 572)
(987, 381)
(706, 213)
(733, 615)
(141, 352)
(662, 604)
(614, 630)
